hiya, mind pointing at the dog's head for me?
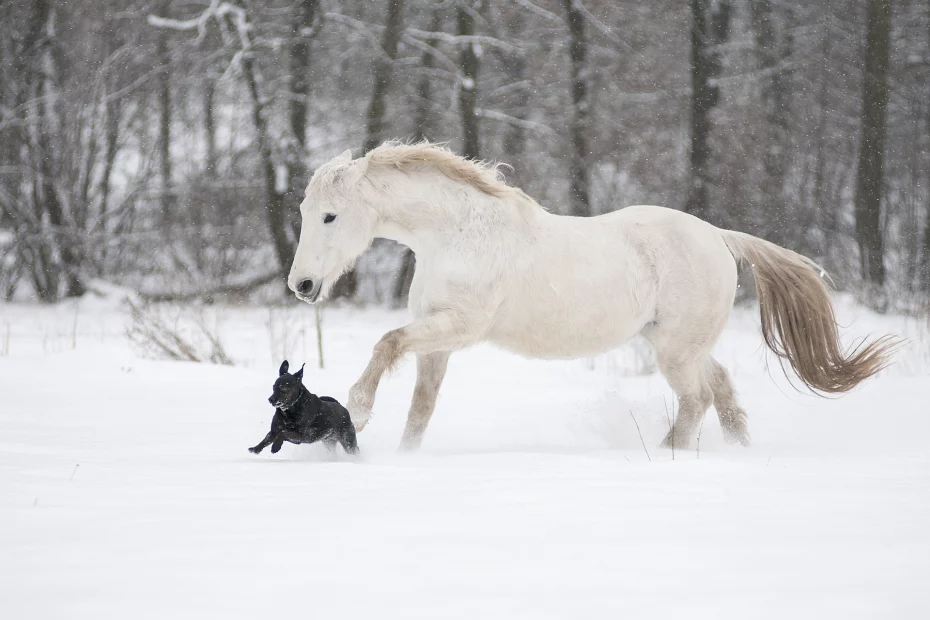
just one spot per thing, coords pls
(286, 387)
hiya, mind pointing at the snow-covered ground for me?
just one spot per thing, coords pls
(126, 490)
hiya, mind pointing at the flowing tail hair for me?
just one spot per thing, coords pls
(798, 323)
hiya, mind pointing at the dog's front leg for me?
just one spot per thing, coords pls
(290, 436)
(264, 443)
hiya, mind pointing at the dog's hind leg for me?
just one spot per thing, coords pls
(348, 440)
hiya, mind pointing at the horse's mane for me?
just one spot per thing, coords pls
(482, 175)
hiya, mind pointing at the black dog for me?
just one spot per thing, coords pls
(303, 417)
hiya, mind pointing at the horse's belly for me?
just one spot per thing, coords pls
(555, 336)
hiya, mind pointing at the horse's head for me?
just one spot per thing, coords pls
(337, 226)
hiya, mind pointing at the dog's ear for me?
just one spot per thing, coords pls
(283, 369)
(300, 373)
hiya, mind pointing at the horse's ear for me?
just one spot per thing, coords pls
(284, 367)
(300, 373)
(346, 156)
(355, 171)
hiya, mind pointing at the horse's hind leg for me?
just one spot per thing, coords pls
(732, 417)
(688, 379)
(431, 369)
(683, 342)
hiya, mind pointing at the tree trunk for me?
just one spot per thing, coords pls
(163, 86)
(870, 173)
(299, 104)
(300, 70)
(826, 215)
(924, 273)
(110, 149)
(708, 30)
(925, 252)
(775, 99)
(468, 91)
(425, 118)
(514, 65)
(384, 73)
(63, 233)
(209, 125)
(578, 169)
(27, 60)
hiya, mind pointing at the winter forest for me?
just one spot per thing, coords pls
(165, 145)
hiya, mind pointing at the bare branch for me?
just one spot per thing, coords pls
(513, 120)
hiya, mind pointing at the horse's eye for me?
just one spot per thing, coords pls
(329, 217)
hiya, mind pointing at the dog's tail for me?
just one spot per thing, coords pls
(798, 323)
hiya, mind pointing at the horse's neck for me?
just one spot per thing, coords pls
(414, 212)
(426, 213)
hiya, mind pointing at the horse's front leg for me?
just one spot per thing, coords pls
(431, 369)
(434, 333)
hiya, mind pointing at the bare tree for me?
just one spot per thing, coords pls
(870, 173)
(709, 28)
(425, 116)
(465, 14)
(774, 56)
(515, 73)
(384, 73)
(923, 281)
(303, 28)
(578, 168)
(163, 94)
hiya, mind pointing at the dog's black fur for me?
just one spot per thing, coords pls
(303, 417)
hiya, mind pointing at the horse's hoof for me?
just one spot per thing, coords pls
(359, 406)
(409, 445)
(675, 442)
(742, 437)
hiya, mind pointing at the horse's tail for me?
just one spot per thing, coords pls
(798, 323)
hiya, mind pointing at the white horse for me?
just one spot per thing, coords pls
(492, 265)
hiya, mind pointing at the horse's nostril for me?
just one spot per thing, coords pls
(305, 287)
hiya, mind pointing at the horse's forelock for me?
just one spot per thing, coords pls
(329, 175)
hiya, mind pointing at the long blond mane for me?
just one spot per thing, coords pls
(482, 175)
